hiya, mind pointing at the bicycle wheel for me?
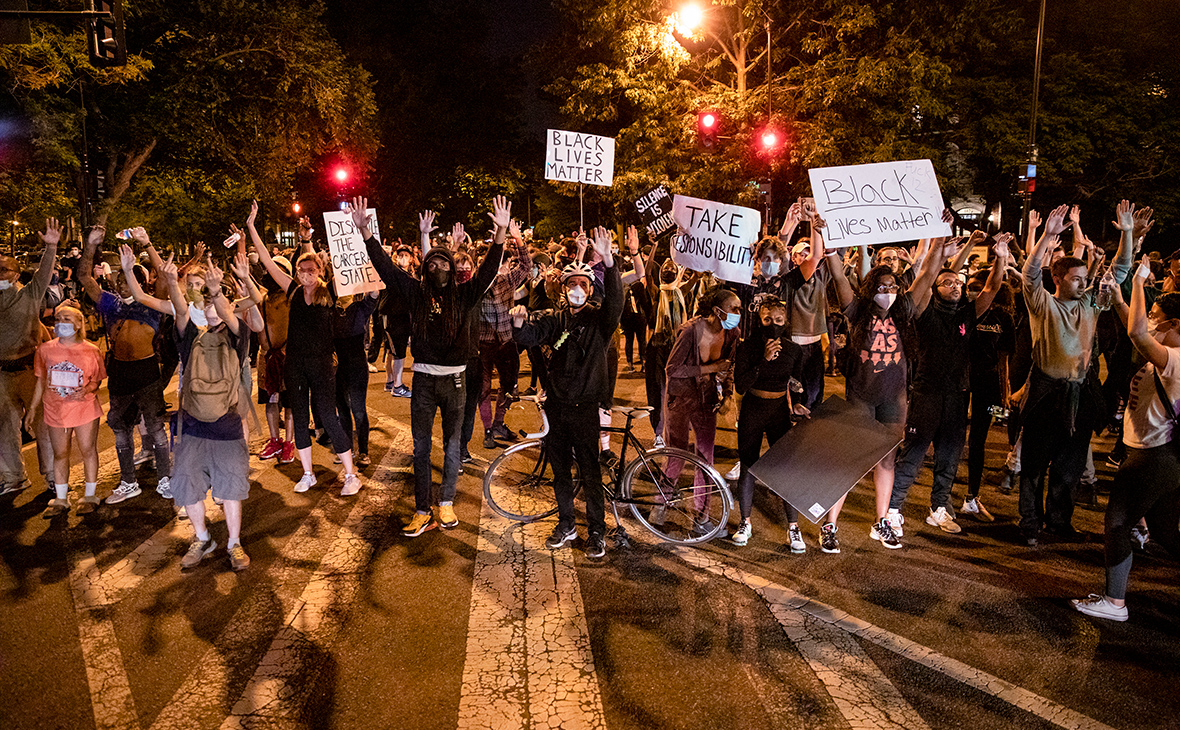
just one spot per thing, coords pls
(519, 483)
(676, 495)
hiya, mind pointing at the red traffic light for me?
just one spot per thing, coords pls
(341, 175)
(296, 208)
(770, 141)
(707, 124)
(708, 120)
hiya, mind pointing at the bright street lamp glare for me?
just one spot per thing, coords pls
(769, 139)
(691, 16)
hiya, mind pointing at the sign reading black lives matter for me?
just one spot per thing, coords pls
(883, 202)
(717, 238)
(580, 158)
(655, 209)
(351, 267)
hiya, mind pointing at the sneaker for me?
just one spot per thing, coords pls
(976, 509)
(489, 441)
(86, 505)
(896, 520)
(362, 460)
(700, 528)
(273, 448)
(372, 368)
(288, 453)
(1006, 482)
(307, 482)
(143, 456)
(238, 559)
(595, 546)
(400, 391)
(1140, 537)
(733, 474)
(1031, 541)
(465, 456)
(529, 391)
(943, 521)
(11, 487)
(446, 516)
(828, 542)
(797, 545)
(560, 536)
(182, 513)
(124, 492)
(501, 432)
(658, 442)
(421, 523)
(57, 506)
(1096, 605)
(197, 550)
(352, 485)
(389, 386)
(883, 532)
(164, 488)
(741, 535)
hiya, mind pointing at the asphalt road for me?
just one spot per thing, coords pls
(340, 622)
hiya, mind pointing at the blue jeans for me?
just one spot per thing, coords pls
(431, 393)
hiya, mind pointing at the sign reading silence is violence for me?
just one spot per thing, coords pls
(351, 268)
(715, 237)
(883, 202)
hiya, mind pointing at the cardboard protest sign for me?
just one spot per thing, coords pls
(818, 461)
(718, 238)
(351, 267)
(655, 208)
(580, 158)
(883, 202)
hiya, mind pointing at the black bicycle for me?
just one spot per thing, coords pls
(673, 493)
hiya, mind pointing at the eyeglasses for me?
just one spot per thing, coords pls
(888, 289)
(951, 284)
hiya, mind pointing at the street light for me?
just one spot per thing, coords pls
(689, 18)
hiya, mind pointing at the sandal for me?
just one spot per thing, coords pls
(57, 507)
(87, 505)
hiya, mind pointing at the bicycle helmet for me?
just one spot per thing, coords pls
(577, 269)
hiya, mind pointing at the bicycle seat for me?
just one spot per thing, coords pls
(629, 412)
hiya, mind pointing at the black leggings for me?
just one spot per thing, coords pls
(352, 389)
(982, 399)
(759, 417)
(314, 379)
(1147, 479)
(656, 377)
(634, 328)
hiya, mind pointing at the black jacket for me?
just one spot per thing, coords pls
(575, 344)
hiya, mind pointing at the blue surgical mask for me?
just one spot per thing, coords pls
(770, 269)
(731, 320)
(64, 329)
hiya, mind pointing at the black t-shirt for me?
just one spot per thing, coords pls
(944, 334)
(876, 367)
(994, 334)
(310, 327)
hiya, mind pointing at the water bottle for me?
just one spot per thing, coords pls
(1105, 291)
(232, 240)
(124, 234)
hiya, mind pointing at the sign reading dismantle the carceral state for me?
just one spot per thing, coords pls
(715, 237)
(883, 202)
(580, 158)
(352, 270)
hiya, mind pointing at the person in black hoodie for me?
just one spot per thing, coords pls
(575, 338)
(440, 310)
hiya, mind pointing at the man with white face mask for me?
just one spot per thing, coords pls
(576, 337)
(20, 333)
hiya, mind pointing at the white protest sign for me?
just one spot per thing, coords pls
(883, 202)
(351, 267)
(717, 238)
(580, 158)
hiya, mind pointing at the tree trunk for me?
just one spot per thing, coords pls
(132, 161)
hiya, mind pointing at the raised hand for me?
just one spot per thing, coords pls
(458, 234)
(601, 245)
(235, 231)
(357, 209)
(169, 271)
(1034, 221)
(241, 267)
(253, 213)
(519, 314)
(1125, 216)
(817, 223)
(200, 247)
(52, 234)
(632, 240)
(95, 236)
(126, 258)
(1001, 247)
(947, 216)
(952, 247)
(514, 229)
(426, 222)
(139, 234)
(501, 212)
(1056, 222)
(1143, 221)
(1075, 215)
(793, 219)
(305, 228)
(213, 275)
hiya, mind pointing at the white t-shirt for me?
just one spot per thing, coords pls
(1145, 425)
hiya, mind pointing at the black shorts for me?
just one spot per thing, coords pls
(397, 335)
(264, 398)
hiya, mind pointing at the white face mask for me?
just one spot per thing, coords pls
(197, 315)
(5, 284)
(885, 301)
(770, 269)
(129, 300)
(576, 297)
(64, 329)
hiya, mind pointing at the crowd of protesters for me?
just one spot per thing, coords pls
(931, 341)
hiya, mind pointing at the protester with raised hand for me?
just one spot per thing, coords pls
(440, 310)
(1062, 405)
(497, 350)
(310, 370)
(576, 336)
(211, 451)
(21, 332)
(69, 371)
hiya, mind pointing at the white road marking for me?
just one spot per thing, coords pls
(529, 663)
(812, 624)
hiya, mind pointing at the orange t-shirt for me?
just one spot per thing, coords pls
(68, 372)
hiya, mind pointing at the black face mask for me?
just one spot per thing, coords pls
(773, 331)
(439, 278)
(668, 277)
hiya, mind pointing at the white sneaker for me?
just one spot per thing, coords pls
(182, 513)
(143, 456)
(976, 509)
(896, 520)
(164, 488)
(733, 474)
(1096, 605)
(742, 534)
(797, 545)
(307, 482)
(658, 442)
(124, 492)
(352, 485)
(943, 521)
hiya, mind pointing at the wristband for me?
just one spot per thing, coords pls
(1143, 271)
